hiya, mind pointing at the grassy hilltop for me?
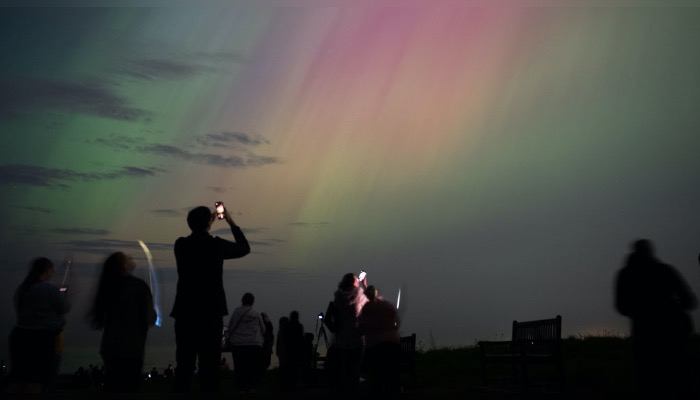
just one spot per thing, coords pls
(594, 366)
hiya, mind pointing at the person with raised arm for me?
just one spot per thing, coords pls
(200, 300)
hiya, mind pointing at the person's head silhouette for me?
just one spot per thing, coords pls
(371, 292)
(248, 299)
(643, 247)
(199, 219)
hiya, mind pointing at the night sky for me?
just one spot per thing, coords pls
(491, 162)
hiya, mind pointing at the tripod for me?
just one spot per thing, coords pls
(320, 332)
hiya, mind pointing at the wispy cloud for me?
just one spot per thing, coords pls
(20, 94)
(227, 139)
(80, 231)
(266, 242)
(179, 67)
(197, 158)
(34, 175)
(247, 230)
(217, 189)
(242, 160)
(161, 68)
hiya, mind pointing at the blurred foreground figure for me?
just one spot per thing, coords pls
(342, 319)
(379, 323)
(200, 300)
(37, 338)
(657, 300)
(123, 309)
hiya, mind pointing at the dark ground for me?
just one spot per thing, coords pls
(595, 368)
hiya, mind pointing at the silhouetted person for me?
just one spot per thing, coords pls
(268, 342)
(246, 331)
(347, 341)
(657, 300)
(40, 308)
(295, 340)
(285, 368)
(200, 301)
(307, 360)
(123, 310)
(379, 323)
(169, 372)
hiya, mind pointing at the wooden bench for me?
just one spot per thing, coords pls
(532, 342)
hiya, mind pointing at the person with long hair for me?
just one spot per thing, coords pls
(34, 342)
(123, 310)
(347, 345)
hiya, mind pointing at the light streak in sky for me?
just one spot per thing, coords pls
(153, 281)
(67, 263)
(398, 299)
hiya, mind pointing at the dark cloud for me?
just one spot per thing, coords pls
(226, 139)
(34, 175)
(177, 68)
(227, 231)
(253, 231)
(216, 189)
(231, 161)
(118, 142)
(152, 69)
(255, 160)
(127, 172)
(198, 158)
(20, 94)
(80, 231)
(266, 242)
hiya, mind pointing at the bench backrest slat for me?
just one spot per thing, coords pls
(544, 329)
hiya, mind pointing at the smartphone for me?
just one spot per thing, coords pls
(362, 275)
(219, 205)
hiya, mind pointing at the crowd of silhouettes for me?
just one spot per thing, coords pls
(364, 326)
(365, 331)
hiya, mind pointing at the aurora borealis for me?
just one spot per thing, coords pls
(494, 162)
